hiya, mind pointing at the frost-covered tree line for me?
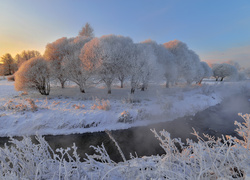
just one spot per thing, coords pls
(87, 60)
(10, 65)
(229, 69)
(83, 59)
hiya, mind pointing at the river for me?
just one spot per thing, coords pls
(215, 120)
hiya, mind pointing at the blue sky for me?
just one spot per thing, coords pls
(217, 30)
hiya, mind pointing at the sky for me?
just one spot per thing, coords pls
(217, 30)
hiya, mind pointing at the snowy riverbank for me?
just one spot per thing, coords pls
(67, 111)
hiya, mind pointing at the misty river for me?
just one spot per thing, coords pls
(215, 120)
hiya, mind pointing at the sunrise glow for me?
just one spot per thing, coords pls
(215, 30)
(124, 89)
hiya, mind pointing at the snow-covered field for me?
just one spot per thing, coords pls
(67, 111)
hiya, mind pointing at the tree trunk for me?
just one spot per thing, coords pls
(200, 81)
(132, 90)
(62, 81)
(81, 86)
(109, 89)
(62, 84)
(222, 78)
(217, 79)
(47, 88)
(44, 89)
(167, 84)
(82, 89)
(142, 88)
(9, 69)
(121, 83)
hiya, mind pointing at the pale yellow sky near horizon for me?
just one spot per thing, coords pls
(219, 36)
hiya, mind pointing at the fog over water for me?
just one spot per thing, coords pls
(215, 121)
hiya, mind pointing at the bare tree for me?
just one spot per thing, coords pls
(25, 56)
(33, 74)
(1, 70)
(8, 64)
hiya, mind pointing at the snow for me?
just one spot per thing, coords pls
(209, 158)
(67, 111)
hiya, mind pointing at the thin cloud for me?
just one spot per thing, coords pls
(237, 54)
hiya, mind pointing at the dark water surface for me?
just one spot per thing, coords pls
(215, 121)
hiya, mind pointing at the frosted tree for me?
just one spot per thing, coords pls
(8, 64)
(134, 72)
(141, 66)
(96, 61)
(118, 50)
(204, 72)
(33, 74)
(196, 67)
(91, 55)
(247, 72)
(235, 64)
(54, 54)
(147, 62)
(178, 49)
(1, 70)
(87, 31)
(241, 71)
(187, 60)
(242, 75)
(207, 71)
(166, 62)
(72, 64)
(223, 70)
(171, 71)
(107, 57)
(122, 53)
(108, 69)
